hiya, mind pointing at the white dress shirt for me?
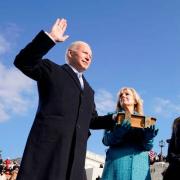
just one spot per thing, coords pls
(79, 75)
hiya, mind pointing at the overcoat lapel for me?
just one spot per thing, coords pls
(72, 74)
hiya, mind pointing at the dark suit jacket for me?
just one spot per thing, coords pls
(173, 156)
(56, 146)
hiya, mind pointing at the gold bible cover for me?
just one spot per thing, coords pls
(137, 121)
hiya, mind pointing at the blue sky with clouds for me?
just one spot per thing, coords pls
(134, 43)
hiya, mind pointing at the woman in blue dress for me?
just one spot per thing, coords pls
(127, 155)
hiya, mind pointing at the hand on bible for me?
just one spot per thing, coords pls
(123, 128)
(150, 132)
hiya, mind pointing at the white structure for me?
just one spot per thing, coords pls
(157, 169)
(94, 165)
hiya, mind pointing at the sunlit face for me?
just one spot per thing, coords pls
(80, 57)
(126, 98)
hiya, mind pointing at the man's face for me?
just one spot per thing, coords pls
(80, 57)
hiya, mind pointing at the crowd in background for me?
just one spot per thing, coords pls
(8, 169)
(155, 157)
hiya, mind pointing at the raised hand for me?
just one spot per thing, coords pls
(58, 30)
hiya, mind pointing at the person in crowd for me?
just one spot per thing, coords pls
(152, 156)
(173, 155)
(1, 159)
(8, 163)
(66, 109)
(127, 155)
(14, 173)
(3, 176)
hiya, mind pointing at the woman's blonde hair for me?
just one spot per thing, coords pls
(138, 106)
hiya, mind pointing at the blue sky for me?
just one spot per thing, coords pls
(134, 43)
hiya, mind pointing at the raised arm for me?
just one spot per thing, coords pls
(29, 60)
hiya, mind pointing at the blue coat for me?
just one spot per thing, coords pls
(127, 157)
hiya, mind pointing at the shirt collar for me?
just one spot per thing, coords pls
(75, 70)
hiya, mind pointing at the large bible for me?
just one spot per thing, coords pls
(137, 121)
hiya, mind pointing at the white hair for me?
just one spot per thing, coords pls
(73, 46)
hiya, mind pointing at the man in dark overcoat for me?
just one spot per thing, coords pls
(56, 145)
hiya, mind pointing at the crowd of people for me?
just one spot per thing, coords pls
(8, 169)
(155, 157)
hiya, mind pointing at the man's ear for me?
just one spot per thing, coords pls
(69, 54)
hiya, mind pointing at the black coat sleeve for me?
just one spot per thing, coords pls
(29, 60)
(101, 122)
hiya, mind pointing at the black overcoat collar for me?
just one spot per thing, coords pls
(73, 75)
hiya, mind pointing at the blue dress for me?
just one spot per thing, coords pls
(127, 156)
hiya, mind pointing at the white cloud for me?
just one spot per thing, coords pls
(3, 114)
(4, 45)
(166, 107)
(8, 35)
(16, 92)
(104, 102)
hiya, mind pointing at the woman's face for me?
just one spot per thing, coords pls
(126, 98)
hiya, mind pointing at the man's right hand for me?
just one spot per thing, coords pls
(58, 30)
